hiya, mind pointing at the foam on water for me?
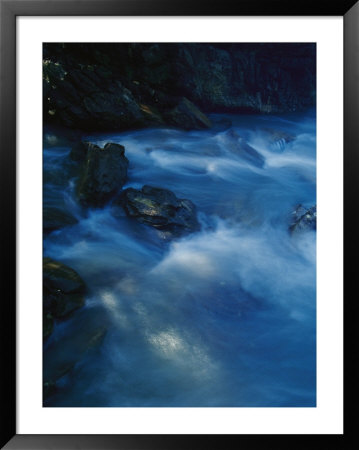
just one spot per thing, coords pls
(222, 317)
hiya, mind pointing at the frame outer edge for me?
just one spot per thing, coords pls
(8, 213)
(351, 225)
(179, 7)
(8, 12)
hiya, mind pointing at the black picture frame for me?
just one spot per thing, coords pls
(9, 10)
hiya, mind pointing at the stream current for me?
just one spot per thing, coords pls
(225, 316)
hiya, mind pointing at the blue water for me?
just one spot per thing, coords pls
(223, 317)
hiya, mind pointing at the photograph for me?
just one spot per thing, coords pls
(179, 224)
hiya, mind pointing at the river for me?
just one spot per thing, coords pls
(223, 317)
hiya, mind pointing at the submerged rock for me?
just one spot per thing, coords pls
(104, 173)
(63, 291)
(238, 145)
(304, 219)
(55, 218)
(161, 209)
(278, 138)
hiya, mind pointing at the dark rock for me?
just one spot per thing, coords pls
(278, 138)
(304, 219)
(49, 388)
(186, 115)
(104, 173)
(55, 218)
(161, 209)
(110, 87)
(111, 110)
(88, 98)
(206, 75)
(63, 289)
(264, 78)
(48, 325)
(238, 145)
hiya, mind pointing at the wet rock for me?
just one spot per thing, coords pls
(304, 219)
(116, 109)
(161, 209)
(278, 138)
(55, 218)
(206, 75)
(104, 173)
(48, 389)
(87, 97)
(111, 87)
(238, 145)
(187, 116)
(63, 291)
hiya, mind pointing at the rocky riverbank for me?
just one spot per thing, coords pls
(98, 87)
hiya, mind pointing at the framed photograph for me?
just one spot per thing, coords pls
(168, 280)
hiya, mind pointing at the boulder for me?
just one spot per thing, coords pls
(238, 145)
(104, 173)
(161, 209)
(304, 219)
(63, 291)
(118, 86)
(115, 109)
(187, 116)
(87, 97)
(55, 218)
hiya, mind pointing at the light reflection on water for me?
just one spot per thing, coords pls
(222, 317)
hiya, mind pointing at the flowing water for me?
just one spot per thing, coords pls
(222, 317)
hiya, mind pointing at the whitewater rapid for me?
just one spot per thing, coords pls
(222, 317)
